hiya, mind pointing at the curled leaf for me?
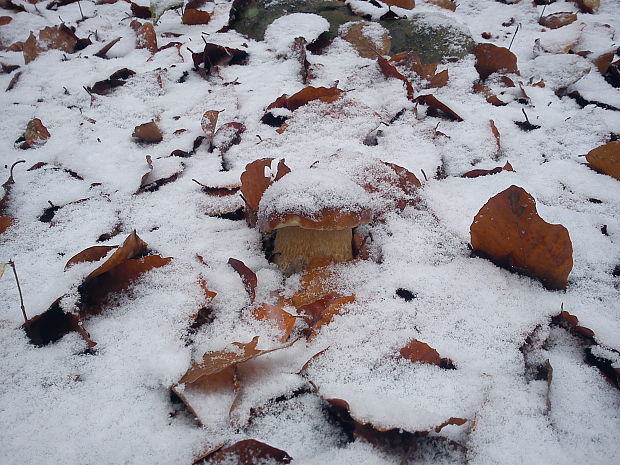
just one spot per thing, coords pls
(132, 247)
(91, 254)
(509, 231)
(116, 79)
(478, 173)
(247, 276)
(390, 70)
(217, 55)
(437, 108)
(293, 102)
(490, 96)
(227, 135)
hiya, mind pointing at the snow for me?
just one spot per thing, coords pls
(114, 405)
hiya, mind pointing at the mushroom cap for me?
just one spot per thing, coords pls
(314, 198)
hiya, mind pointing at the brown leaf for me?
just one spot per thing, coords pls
(490, 96)
(139, 11)
(6, 221)
(13, 81)
(146, 185)
(588, 6)
(508, 230)
(293, 102)
(322, 311)
(4, 20)
(558, 20)
(248, 452)
(208, 124)
(493, 59)
(440, 79)
(315, 283)
(606, 159)
(478, 173)
(247, 276)
(451, 421)
(437, 108)
(572, 322)
(389, 70)
(276, 314)
(53, 324)
(406, 4)
(385, 181)
(36, 134)
(603, 62)
(498, 139)
(147, 38)
(116, 79)
(254, 183)
(367, 46)
(192, 16)
(148, 133)
(106, 48)
(227, 135)
(95, 291)
(217, 55)
(132, 247)
(447, 4)
(418, 351)
(92, 254)
(57, 37)
(412, 62)
(299, 50)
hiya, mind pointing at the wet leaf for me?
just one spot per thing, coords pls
(508, 231)
(447, 4)
(116, 79)
(148, 133)
(247, 276)
(390, 70)
(91, 254)
(420, 352)
(606, 159)
(36, 134)
(322, 311)
(248, 452)
(254, 182)
(478, 173)
(293, 102)
(558, 20)
(493, 59)
(192, 16)
(366, 45)
(437, 108)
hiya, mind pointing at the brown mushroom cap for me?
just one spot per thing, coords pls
(314, 198)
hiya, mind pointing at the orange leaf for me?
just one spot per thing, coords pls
(4, 20)
(247, 276)
(498, 140)
(606, 159)
(490, 96)
(191, 16)
(588, 6)
(132, 247)
(418, 351)
(276, 314)
(57, 37)
(573, 323)
(406, 4)
(254, 183)
(293, 102)
(148, 133)
(558, 20)
(440, 79)
(492, 59)
(365, 46)
(315, 283)
(447, 4)
(509, 231)
(412, 61)
(322, 311)
(389, 70)
(147, 38)
(92, 254)
(478, 173)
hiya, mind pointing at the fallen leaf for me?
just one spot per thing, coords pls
(208, 124)
(147, 185)
(116, 79)
(293, 102)
(588, 6)
(316, 282)
(322, 311)
(254, 182)
(4, 20)
(35, 135)
(226, 136)
(508, 230)
(217, 55)
(8, 69)
(447, 4)
(420, 352)
(139, 11)
(192, 16)
(276, 314)
(91, 254)
(413, 62)
(393, 182)
(440, 79)
(57, 37)
(437, 108)
(558, 20)
(148, 133)
(5, 220)
(606, 159)
(490, 96)
(248, 452)
(366, 44)
(478, 173)
(247, 276)
(493, 59)
(132, 247)
(389, 70)
(406, 4)
(572, 323)
(498, 140)
(299, 50)
(106, 48)
(146, 38)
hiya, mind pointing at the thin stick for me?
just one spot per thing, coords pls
(525, 114)
(542, 12)
(21, 298)
(514, 35)
(80, 7)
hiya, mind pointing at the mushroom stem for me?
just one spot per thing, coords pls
(294, 247)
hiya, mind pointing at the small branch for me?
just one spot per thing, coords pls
(542, 12)
(13, 166)
(525, 114)
(514, 35)
(424, 174)
(21, 298)
(81, 12)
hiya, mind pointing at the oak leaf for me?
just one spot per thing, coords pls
(508, 230)
(493, 59)
(606, 159)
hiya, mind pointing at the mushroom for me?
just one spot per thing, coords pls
(313, 212)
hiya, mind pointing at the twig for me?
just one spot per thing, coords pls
(21, 298)
(542, 12)
(525, 114)
(514, 35)
(80, 7)
(424, 174)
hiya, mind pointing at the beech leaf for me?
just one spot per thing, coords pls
(366, 45)
(247, 276)
(447, 4)
(390, 70)
(493, 59)
(147, 38)
(227, 135)
(5, 220)
(479, 172)
(276, 314)
(91, 254)
(421, 352)
(322, 311)
(508, 230)
(606, 159)
(254, 183)
(248, 452)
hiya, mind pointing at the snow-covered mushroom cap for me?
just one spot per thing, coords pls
(314, 198)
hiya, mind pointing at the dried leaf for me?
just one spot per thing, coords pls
(91, 254)
(192, 16)
(366, 45)
(413, 62)
(447, 4)
(322, 311)
(558, 20)
(227, 135)
(36, 134)
(57, 37)
(606, 159)
(440, 79)
(6, 221)
(509, 231)
(478, 173)
(437, 108)
(139, 11)
(106, 48)
(217, 55)
(208, 124)
(132, 247)
(254, 183)
(493, 59)
(148, 133)
(247, 276)
(490, 96)
(146, 38)
(293, 102)
(406, 4)
(315, 283)
(385, 181)
(4, 20)
(498, 139)
(572, 323)
(248, 452)
(116, 79)
(420, 352)
(588, 6)
(389, 70)
(146, 185)
(277, 315)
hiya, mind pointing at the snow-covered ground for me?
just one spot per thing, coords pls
(113, 405)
